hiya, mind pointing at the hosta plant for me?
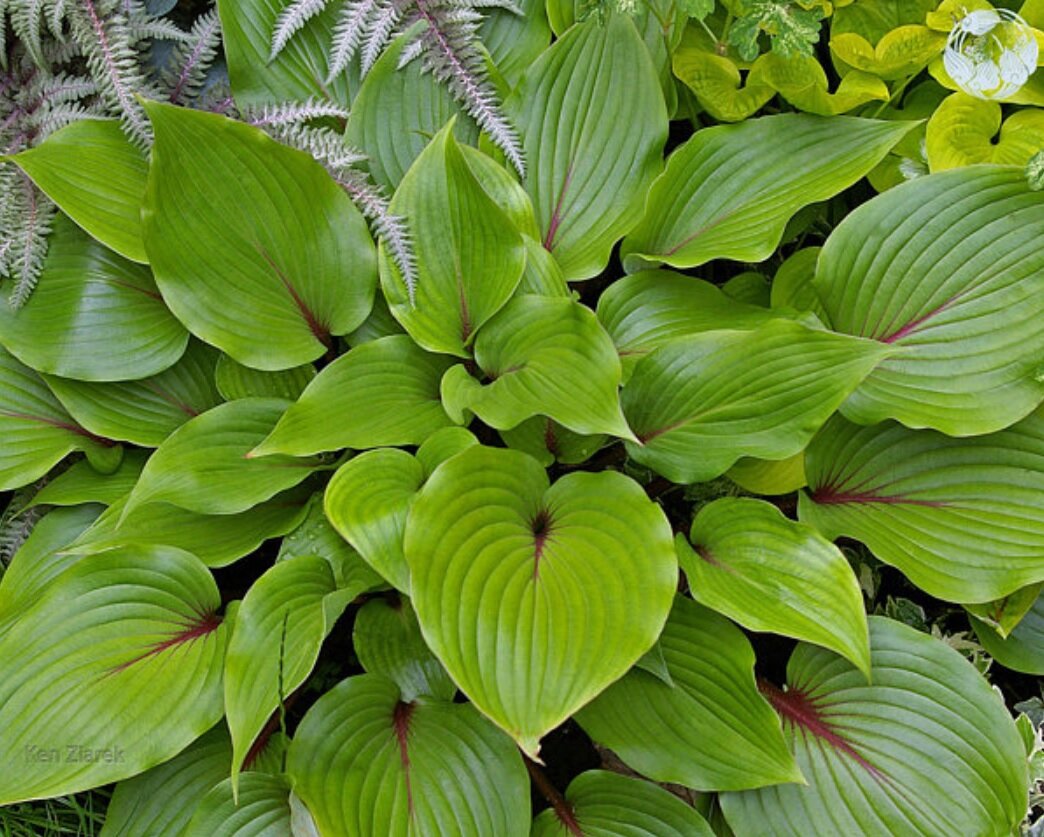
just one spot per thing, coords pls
(428, 418)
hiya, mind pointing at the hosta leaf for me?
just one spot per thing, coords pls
(605, 804)
(960, 517)
(544, 356)
(1023, 649)
(769, 476)
(469, 255)
(711, 730)
(1002, 615)
(97, 177)
(904, 51)
(801, 80)
(962, 132)
(717, 84)
(95, 316)
(792, 285)
(262, 808)
(548, 442)
(767, 573)
(115, 642)
(81, 483)
(388, 641)
(203, 467)
(729, 191)
(366, 762)
(144, 412)
(516, 39)
(160, 802)
(928, 748)
(556, 590)
(594, 124)
(36, 430)
(948, 270)
(385, 392)
(699, 403)
(254, 246)
(233, 380)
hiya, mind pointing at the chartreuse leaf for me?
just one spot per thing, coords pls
(1002, 615)
(963, 129)
(594, 124)
(729, 191)
(769, 476)
(388, 641)
(545, 356)
(233, 380)
(699, 403)
(768, 573)
(548, 442)
(711, 730)
(469, 255)
(801, 80)
(261, 808)
(254, 246)
(369, 497)
(203, 467)
(160, 802)
(556, 590)
(81, 483)
(1023, 649)
(95, 316)
(385, 392)
(97, 177)
(116, 641)
(365, 761)
(960, 517)
(716, 81)
(605, 804)
(948, 269)
(36, 430)
(147, 411)
(903, 51)
(928, 748)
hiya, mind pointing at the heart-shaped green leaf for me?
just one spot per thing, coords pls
(928, 748)
(729, 191)
(385, 392)
(949, 270)
(960, 517)
(699, 403)
(771, 574)
(556, 590)
(711, 730)
(366, 762)
(115, 641)
(254, 246)
(594, 123)
(962, 132)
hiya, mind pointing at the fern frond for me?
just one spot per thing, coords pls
(27, 224)
(290, 20)
(381, 29)
(348, 35)
(60, 88)
(139, 29)
(288, 113)
(26, 17)
(48, 120)
(17, 523)
(193, 58)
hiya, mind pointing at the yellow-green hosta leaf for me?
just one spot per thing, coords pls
(747, 561)
(728, 192)
(792, 285)
(254, 247)
(594, 123)
(548, 442)
(81, 483)
(96, 176)
(699, 403)
(710, 730)
(802, 81)
(365, 762)
(769, 476)
(469, 254)
(1023, 649)
(963, 131)
(948, 271)
(1002, 615)
(604, 804)
(233, 380)
(261, 808)
(716, 82)
(926, 748)
(516, 38)
(556, 590)
(115, 642)
(960, 517)
(903, 51)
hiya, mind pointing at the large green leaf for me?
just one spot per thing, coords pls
(81, 483)
(699, 403)
(144, 412)
(728, 192)
(116, 668)
(516, 38)
(769, 573)
(948, 269)
(711, 729)
(594, 124)
(1023, 649)
(544, 356)
(535, 597)
(254, 246)
(94, 316)
(261, 809)
(203, 465)
(35, 430)
(96, 176)
(366, 762)
(604, 804)
(385, 392)
(962, 132)
(927, 749)
(469, 255)
(961, 518)
(234, 380)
